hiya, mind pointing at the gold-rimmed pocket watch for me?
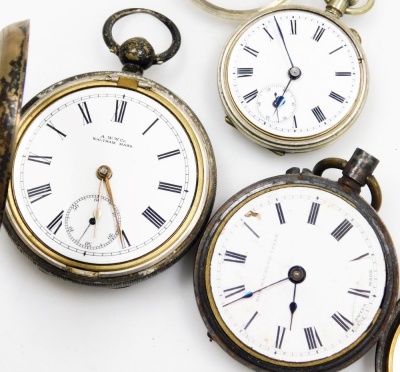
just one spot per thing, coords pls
(298, 272)
(114, 175)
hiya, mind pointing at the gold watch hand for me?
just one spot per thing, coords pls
(97, 211)
(104, 173)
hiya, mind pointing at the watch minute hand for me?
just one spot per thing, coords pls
(284, 42)
(249, 294)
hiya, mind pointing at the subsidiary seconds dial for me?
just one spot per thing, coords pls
(90, 223)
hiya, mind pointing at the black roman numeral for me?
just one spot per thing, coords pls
(337, 49)
(153, 217)
(270, 36)
(55, 225)
(151, 125)
(85, 112)
(126, 240)
(312, 218)
(312, 337)
(359, 292)
(337, 97)
(232, 291)
(169, 187)
(61, 134)
(342, 73)
(318, 114)
(168, 154)
(256, 235)
(293, 27)
(342, 230)
(40, 159)
(245, 72)
(235, 257)
(318, 33)
(280, 213)
(252, 51)
(342, 321)
(40, 192)
(360, 257)
(251, 320)
(250, 96)
(280, 334)
(120, 108)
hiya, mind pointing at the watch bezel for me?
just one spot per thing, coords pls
(268, 139)
(387, 343)
(126, 272)
(220, 333)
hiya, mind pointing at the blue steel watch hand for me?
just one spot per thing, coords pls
(284, 42)
(249, 294)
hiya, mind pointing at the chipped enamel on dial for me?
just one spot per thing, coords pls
(320, 79)
(295, 275)
(154, 180)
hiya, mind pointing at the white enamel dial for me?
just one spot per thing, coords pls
(315, 65)
(296, 275)
(149, 194)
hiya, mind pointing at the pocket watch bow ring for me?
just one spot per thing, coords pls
(114, 175)
(293, 78)
(298, 272)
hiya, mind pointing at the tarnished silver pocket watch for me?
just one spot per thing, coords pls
(298, 272)
(387, 356)
(13, 51)
(293, 78)
(114, 175)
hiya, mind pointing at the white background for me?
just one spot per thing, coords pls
(47, 324)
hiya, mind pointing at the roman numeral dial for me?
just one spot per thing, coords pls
(292, 268)
(107, 176)
(39, 192)
(292, 75)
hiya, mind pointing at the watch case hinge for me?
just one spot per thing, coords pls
(133, 83)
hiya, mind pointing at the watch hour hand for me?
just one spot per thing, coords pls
(104, 173)
(297, 275)
(294, 73)
(293, 306)
(97, 211)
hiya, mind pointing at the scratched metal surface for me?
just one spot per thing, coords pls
(48, 324)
